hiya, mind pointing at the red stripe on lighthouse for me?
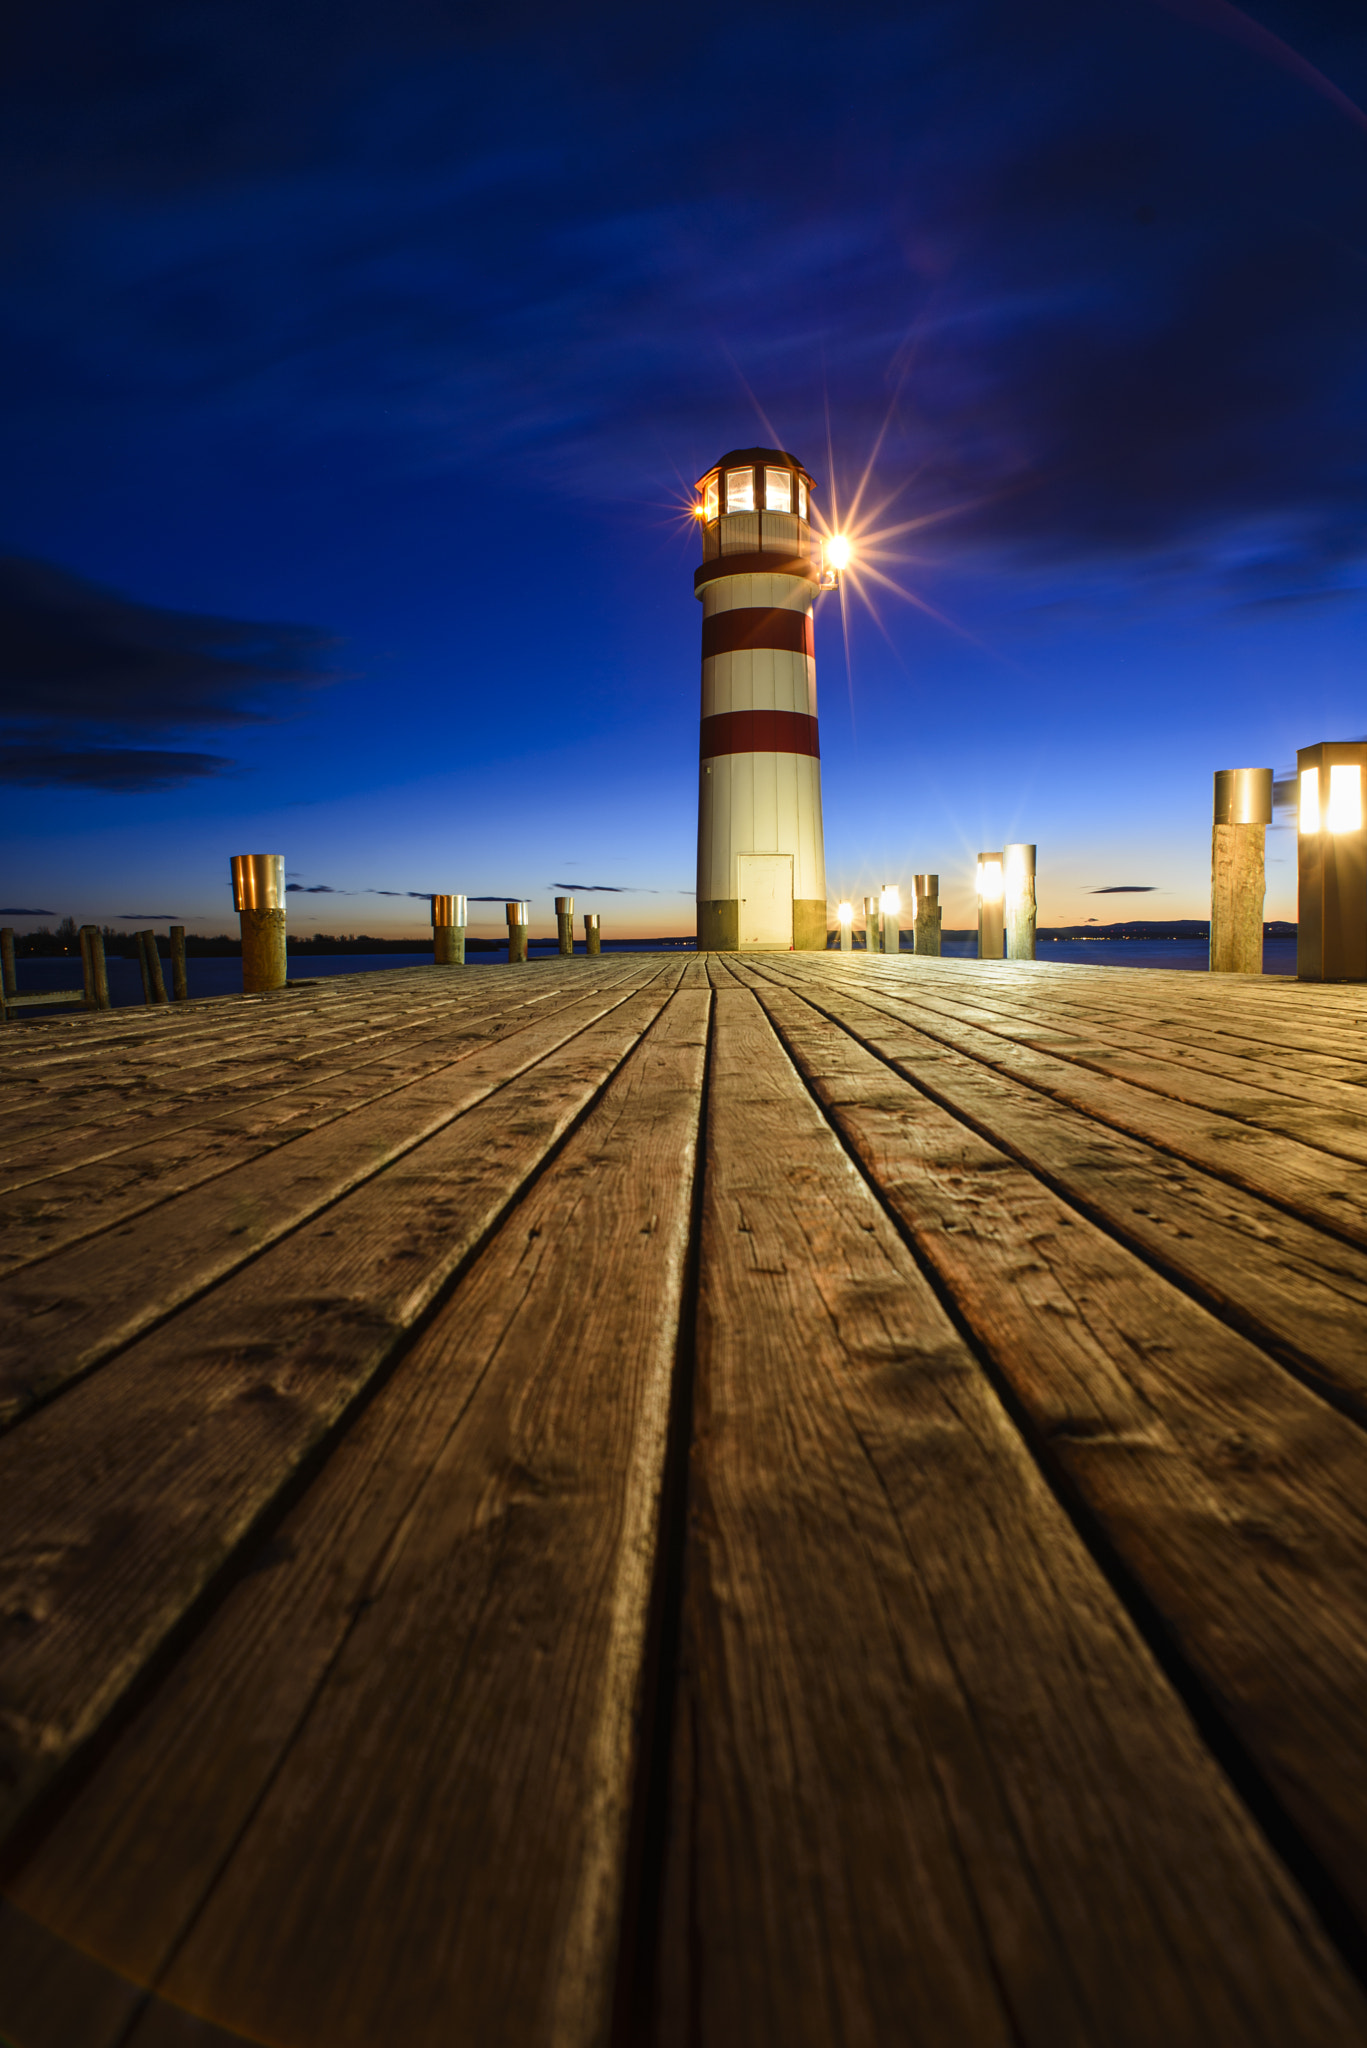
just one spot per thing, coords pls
(759, 732)
(752, 626)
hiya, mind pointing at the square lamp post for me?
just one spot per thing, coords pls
(1018, 875)
(845, 919)
(991, 923)
(1331, 930)
(890, 914)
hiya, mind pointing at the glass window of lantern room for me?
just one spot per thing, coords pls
(740, 490)
(778, 490)
(709, 500)
(801, 499)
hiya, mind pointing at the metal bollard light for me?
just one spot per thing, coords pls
(180, 987)
(519, 917)
(564, 925)
(1018, 874)
(990, 921)
(845, 918)
(259, 900)
(871, 923)
(925, 914)
(1242, 812)
(449, 918)
(593, 942)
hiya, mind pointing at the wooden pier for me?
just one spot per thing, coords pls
(718, 1504)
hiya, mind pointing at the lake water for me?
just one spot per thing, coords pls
(223, 977)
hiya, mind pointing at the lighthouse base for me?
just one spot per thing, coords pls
(719, 925)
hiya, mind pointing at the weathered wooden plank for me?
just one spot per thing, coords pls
(1278, 1279)
(124, 1180)
(383, 1796)
(120, 1502)
(930, 1787)
(1235, 1497)
(1328, 1192)
(64, 1314)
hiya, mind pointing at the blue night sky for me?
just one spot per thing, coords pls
(360, 359)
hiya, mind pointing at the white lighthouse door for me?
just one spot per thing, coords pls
(766, 899)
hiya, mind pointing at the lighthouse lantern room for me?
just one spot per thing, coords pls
(761, 855)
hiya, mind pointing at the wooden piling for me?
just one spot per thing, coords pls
(871, 931)
(564, 925)
(180, 986)
(259, 899)
(925, 897)
(93, 969)
(1238, 872)
(154, 988)
(592, 938)
(448, 930)
(1018, 875)
(519, 915)
(8, 984)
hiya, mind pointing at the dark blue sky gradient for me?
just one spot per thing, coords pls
(359, 360)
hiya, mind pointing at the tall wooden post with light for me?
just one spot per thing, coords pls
(1238, 872)
(1331, 930)
(925, 914)
(449, 914)
(259, 900)
(761, 852)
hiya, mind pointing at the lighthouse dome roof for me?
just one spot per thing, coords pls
(740, 456)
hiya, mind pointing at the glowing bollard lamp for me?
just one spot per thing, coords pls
(845, 919)
(925, 914)
(259, 900)
(1018, 873)
(1238, 872)
(519, 917)
(448, 931)
(871, 923)
(1331, 933)
(890, 915)
(991, 926)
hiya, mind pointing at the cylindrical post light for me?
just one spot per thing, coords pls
(925, 911)
(259, 900)
(448, 930)
(890, 915)
(761, 854)
(871, 921)
(845, 919)
(1331, 930)
(564, 925)
(990, 920)
(592, 937)
(1018, 880)
(519, 917)
(1238, 872)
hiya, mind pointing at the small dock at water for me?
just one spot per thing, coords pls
(801, 1500)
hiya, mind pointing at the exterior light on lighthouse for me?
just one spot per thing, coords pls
(1331, 924)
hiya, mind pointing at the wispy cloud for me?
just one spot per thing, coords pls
(1125, 889)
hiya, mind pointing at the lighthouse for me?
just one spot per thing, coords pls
(761, 854)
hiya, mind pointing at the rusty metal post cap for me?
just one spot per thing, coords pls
(1243, 796)
(258, 881)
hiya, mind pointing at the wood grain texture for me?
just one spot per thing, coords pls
(1236, 1498)
(120, 1502)
(451, 1624)
(929, 1785)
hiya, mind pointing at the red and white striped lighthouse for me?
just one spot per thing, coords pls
(761, 853)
